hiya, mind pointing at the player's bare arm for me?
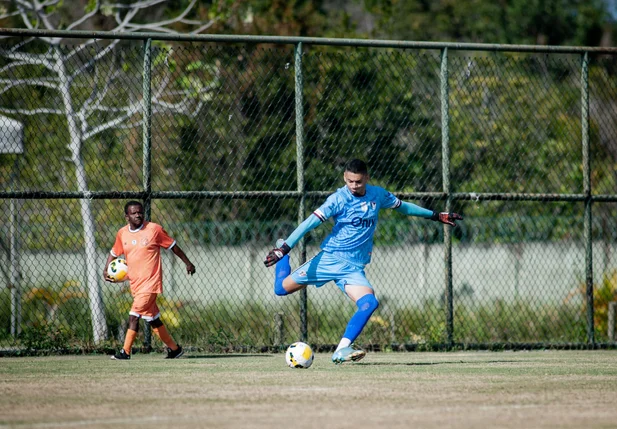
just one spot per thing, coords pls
(105, 275)
(190, 268)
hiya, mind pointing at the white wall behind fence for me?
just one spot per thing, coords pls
(542, 273)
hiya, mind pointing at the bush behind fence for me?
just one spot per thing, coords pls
(227, 167)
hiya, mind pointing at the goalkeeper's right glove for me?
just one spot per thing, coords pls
(276, 255)
(447, 218)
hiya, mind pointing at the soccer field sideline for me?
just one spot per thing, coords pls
(569, 389)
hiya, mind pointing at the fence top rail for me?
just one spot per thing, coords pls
(226, 38)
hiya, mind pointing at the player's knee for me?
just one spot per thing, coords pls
(134, 323)
(368, 303)
(156, 323)
(287, 286)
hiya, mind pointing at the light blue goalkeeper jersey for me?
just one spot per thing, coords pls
(355, 220)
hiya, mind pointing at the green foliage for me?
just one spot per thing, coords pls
(44, 338)
(229, 326)
(552, 22)
(514, 127)
(603, 294)
(5, 313)
(56, 308)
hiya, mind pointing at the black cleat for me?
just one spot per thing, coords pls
(174, 354)
(121, 355)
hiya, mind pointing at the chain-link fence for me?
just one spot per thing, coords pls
(231, 142)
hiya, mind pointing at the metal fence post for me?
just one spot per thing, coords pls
(147, 154)
(445, 153)
(611, 320)
(279, 330)
(300, 179)
(587, 193)
(15, 254)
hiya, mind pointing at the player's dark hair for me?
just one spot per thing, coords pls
(356, 166)
(132, 203)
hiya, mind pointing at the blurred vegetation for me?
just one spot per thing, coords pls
(515, 128)
(515, 118)
(218, 328)
(543, 22)
(603, 293)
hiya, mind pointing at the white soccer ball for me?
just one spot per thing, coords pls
(117, 269)
(299, 355)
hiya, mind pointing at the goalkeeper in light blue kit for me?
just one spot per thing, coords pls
(344, 253)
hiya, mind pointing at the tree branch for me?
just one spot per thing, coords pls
(9, 14)
(122, 23)
(27, 58)
(130, 111)
(46, 82)
(22, 44)
(38, 9)
(86, 17)
(137, 5)
(13, 65)
(97, 57)
(98, 95)
(32, 112)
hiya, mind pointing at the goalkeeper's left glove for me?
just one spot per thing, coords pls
(276, 255)
(447, 218)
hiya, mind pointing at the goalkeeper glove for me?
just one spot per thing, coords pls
(276, 255)
(447, 218)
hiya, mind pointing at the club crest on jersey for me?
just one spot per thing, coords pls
(144, 241)
(364, 206)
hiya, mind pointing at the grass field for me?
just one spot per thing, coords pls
(540, 389)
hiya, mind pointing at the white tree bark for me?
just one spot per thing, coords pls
(34, 15)
(95, 298)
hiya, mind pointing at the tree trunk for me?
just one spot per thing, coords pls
(95, 298)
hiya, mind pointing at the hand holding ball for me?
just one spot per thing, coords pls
(117, 270)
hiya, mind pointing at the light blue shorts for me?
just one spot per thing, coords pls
(325, 267)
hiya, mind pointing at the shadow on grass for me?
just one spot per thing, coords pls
(432, 363)
(222, 356)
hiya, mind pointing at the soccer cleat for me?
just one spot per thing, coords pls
(121, 355)
(174, 354)
(347, 354)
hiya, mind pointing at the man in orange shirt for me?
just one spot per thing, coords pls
(140, 242)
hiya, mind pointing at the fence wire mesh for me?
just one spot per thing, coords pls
(223, 176)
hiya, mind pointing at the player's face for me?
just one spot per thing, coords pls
(135, 216)
(356, 183)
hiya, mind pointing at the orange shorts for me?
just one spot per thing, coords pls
(144, 306)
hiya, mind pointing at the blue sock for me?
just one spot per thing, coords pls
(281, 271)
(366, 306)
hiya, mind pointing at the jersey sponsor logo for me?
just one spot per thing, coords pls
(134, 242)
(362, 223)
(301, 273)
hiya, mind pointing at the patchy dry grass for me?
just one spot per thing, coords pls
(567, 389)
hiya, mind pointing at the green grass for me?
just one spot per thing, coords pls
(567, 389)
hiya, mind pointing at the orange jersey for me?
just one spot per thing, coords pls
(142, 250)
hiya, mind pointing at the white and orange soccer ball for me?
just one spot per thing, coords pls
(299, 355)
(117, 269)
